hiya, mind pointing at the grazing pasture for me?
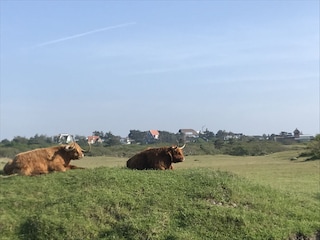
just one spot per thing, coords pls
(205, 197)
(276, 170)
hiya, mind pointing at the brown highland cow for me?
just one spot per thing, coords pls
(156, 158)
(44, 160)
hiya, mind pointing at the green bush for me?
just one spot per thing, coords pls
(312, 149)
(252, 148)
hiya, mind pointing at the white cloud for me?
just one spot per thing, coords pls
(84, 34)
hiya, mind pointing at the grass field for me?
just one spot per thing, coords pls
(276, 170)
(265, 197)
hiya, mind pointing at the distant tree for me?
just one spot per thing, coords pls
(111, 140)
(6, 142)
(41, 140)
(20, 140)
(81, 140)
(137, 136)
(167, 137)
(221, 134)
(98, 133)
(207, 135)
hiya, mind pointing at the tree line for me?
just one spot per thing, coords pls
(207, 142)
(138, 137)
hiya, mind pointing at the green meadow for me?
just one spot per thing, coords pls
(205, 197)
(276, 170)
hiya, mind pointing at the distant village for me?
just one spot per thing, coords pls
(190, 135)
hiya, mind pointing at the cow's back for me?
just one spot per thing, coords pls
(29, 163)
(138, 161)
(150, 159)
(44, 160)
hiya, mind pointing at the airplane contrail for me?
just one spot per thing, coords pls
(84, 34)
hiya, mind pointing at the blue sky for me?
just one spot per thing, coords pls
(80, 66)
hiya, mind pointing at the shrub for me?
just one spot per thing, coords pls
(312, 149)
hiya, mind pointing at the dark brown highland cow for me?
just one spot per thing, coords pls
(156, 158)
(44, 160)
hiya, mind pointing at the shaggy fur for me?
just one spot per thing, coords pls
(156, 158)
(44, 160)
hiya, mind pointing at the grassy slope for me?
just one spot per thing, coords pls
(275, 170)
(193, 202)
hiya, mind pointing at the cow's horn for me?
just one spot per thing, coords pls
(85, 151)
(182, 146)
(69, 147)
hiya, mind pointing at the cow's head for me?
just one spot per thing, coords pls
(74, 151)
(176, 154)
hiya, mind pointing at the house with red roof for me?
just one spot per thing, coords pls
(94, 139)
(152, 136)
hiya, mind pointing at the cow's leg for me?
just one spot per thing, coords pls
(165, 166)
(39, 169)
(73, 167)
(161, 167)
(35, 173)
(24, 171)
(59, 168)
